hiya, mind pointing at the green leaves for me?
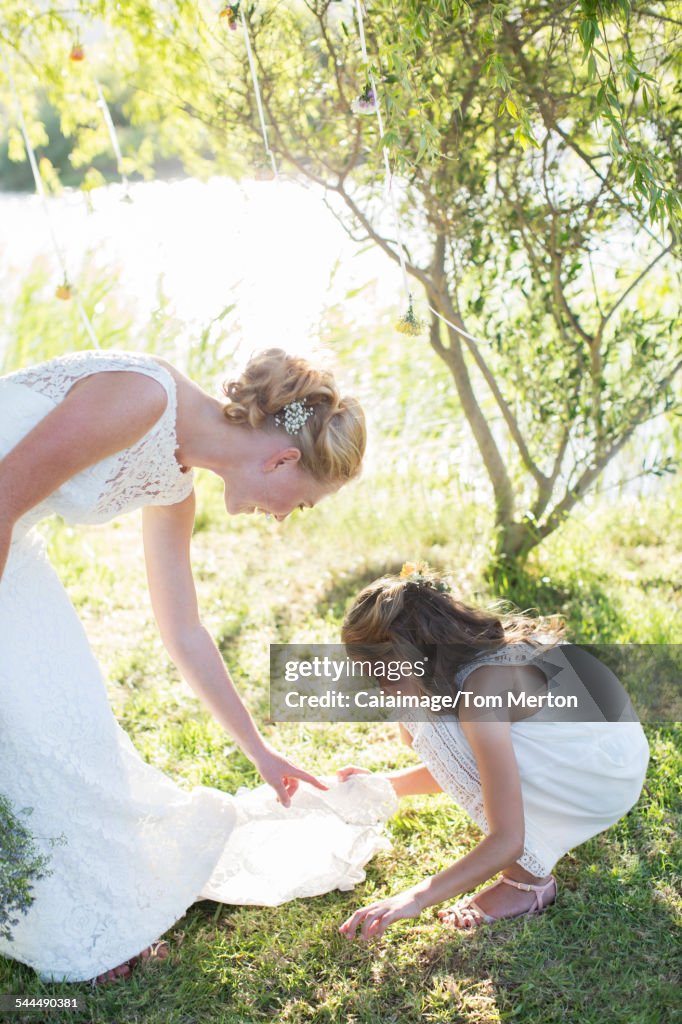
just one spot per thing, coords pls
(534, 146)
(20, 868)
(588, 30)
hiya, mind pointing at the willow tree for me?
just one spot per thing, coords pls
(535, 150)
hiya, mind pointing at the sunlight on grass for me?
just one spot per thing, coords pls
(602, 954)
(261, 582)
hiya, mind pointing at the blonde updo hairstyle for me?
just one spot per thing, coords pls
(410, 618)
(331, 441)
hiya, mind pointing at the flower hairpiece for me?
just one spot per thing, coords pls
(416, 572)
(294, 416)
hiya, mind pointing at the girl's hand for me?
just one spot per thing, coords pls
(350, 769)
(377, 917)
(283, 775)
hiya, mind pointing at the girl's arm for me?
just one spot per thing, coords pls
(411, 781)
(101, 415)
(167, 532)
(491, 744)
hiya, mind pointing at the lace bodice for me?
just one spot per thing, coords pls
(146, 473)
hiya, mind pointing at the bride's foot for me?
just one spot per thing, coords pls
(122, 971)
(157, 951)
(501, 900)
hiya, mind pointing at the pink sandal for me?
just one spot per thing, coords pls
(469, 904)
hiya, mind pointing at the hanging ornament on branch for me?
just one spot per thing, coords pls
(64, 290)
(230, 12)
(366, 102)
(264, 172)
(77, 52)
(409, 323)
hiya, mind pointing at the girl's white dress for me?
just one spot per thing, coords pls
(577, 777)
(136, 849)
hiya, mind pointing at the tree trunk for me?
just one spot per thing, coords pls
(515, 541)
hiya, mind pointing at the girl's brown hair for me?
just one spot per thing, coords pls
(332, 440)
(415, 618)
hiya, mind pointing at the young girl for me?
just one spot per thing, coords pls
(537, 782)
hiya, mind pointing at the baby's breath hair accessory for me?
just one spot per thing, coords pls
(294, 416)
(422, 573)
(410, 323)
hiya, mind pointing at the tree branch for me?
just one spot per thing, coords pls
(589, 475)
(413, 269)
(631, 287)
(454, 359)
(507, 414)
(557, 287)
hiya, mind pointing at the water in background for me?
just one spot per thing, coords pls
(273, 248)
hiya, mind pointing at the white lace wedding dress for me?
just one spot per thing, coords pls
(136, 849)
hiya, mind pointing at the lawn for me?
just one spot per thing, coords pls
(604, 952)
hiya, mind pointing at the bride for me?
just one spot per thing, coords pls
(89, 436)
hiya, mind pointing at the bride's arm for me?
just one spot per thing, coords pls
(101, 415)
(167, 532)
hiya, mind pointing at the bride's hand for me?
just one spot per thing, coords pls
(350, 769)
(283, 775)
(376, 917)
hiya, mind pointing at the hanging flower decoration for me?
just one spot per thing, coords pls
(64, 290)
(77, 53)
(409, 323)
(231, 13)
(264, 172)
(366, 102)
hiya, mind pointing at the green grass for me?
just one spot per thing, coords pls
(605, 952)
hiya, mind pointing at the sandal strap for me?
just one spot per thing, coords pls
(526, 886)
(539, 890)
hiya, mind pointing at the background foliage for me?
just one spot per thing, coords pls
(537, 153)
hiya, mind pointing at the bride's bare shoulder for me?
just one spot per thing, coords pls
(173, 370)
(182, 382)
